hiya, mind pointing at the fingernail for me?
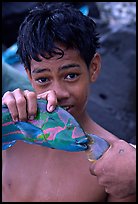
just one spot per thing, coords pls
(15, 119)
(51, 108)
(31, 117)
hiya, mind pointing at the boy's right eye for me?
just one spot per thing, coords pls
(42, 80)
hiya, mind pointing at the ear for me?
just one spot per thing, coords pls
(95, 67)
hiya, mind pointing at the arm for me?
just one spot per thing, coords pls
(116, 170)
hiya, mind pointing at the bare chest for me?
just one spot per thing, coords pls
(53, 177)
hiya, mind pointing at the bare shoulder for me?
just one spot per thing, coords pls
(94, 128)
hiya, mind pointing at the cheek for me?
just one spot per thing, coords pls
(81, 94)
(38, 89)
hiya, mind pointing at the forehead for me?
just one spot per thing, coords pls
(70, 56)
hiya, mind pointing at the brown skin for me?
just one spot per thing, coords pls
(119, 180)
(39, 174)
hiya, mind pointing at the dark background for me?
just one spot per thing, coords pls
(112, 102)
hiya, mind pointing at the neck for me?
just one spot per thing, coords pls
(86, 122)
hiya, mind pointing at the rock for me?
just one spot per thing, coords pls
(113, 96)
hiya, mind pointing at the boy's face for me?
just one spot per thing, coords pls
(69, 77)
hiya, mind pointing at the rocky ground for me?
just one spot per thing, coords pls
(113, 96)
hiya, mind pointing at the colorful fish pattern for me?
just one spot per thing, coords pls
(57, 130)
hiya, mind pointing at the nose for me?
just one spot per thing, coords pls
(61, 91)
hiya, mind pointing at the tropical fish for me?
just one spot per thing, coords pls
(57, 130)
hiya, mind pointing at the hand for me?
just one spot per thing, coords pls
(116, 169)
(22, 105)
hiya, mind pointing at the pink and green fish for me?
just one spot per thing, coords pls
(57, 130)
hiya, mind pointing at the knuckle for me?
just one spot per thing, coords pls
(6, 93)
(53, 92)
(31, 94)
(18, 90)
(119, 143)
(6, 96)
(50, 91)
(122, 141)
(21, 101)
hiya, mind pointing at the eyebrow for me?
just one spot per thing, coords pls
(39, 70)
(68, 66)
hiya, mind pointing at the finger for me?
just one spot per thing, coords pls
(31, 104)
(97, 167)
(51, 98)
(52, 101)
(9, 100)
(21, 104)
(92, 168)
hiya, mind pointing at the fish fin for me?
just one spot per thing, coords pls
(6, 145)
(28, 129)
(82, 140)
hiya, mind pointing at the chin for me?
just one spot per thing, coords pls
(75, 114)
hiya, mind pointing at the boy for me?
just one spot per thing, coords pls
(57, 45)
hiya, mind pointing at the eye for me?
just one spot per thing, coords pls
(42, 80)
(72, 76)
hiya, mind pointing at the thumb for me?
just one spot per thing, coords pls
(92, 168)
(97, 163)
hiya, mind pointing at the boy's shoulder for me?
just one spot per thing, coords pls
(95, 128)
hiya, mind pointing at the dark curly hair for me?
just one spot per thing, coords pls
(51, 23)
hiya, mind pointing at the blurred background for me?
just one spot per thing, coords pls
(112, 101)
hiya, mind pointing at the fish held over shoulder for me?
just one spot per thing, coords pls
(57, 130)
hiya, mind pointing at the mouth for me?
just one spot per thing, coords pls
(67, 108)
